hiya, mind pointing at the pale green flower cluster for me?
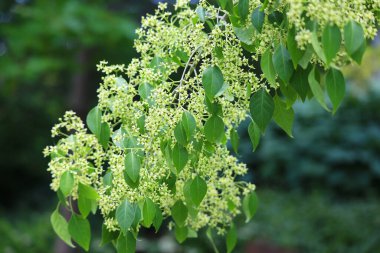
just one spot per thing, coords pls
(145, 100)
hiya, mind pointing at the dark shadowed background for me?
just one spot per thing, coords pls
(319, 192)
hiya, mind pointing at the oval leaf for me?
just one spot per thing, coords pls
(148, 212)
(316, 89)
(266, 64)
(61, 227)
(282, 63)
(127, 215)
(231, 238)
(179, 213)
(67, 183)
(198, 190)
(212, 81)
(261, 108)
(250, 204)
(336, 87)
(180, 157)
(254, 134)
(331, 40)
(353, 37)
(80, 231)
(257, 19)
(283, 116)
(214, 129)
(132, 166)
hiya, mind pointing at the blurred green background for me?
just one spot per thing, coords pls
(319, 192)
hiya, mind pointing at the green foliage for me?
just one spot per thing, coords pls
(192, 84)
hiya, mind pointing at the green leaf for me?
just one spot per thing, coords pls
(282, 63)
(212, 81)
(201, 13)
(180, 134)
(80, 231)
(276, 18)
(336, 87)
(284, 117)
(189, 124)
(243, 9)
(250, 204)
(126, 243)
(296, 54)
(130, 182)
(234, 140)
(306, 58)
(300, 82)
(254, 134)
(267, 67)
(316, 89)
(61, 227)
(99, 129)
(214, 129)
(157, 221)
(198, 190)
(353, 37)
(127, 215)
(179, 213)
(87, 191)
(148, 212)
(141, 124)
(180, 157)
(245, 34)
(108, 236)
(132, 166)
(317, 47)
(181, 233)
(331, 41)
(85, 205)
(257, 19)
(231, 238)
(261, 108)
(67, 183)
(358, 55)
(145, 89)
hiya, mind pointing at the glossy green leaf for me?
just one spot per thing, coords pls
(234, 140)
(180, 134)
(181, 233)
(300, 82)
(212, 81)
(157, 221)
(296, 54)
(127, 215)
(316, 89)
(108, 236)
(283, 116)
(267, 67)
(67, 183)
(179, 213)
(85, 206)
(282, 63)
(336, 87)
(201, 13)
(211, 239)
(250, 205)
(60, 227)
(261, 108)
(231, 238)
(245, 34)
(358, 55)
(132, 166)
(87, 192)
(145, 89)
(214, 129)
(148, 212)
(243, 9)
(189, 124)
(353, 37)
(99, 129)
(180, 157)
(80, 231)
(126, 243)
(257, 19)
(198, 190)
(331, 41)
(317, 47)
(254, 133)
